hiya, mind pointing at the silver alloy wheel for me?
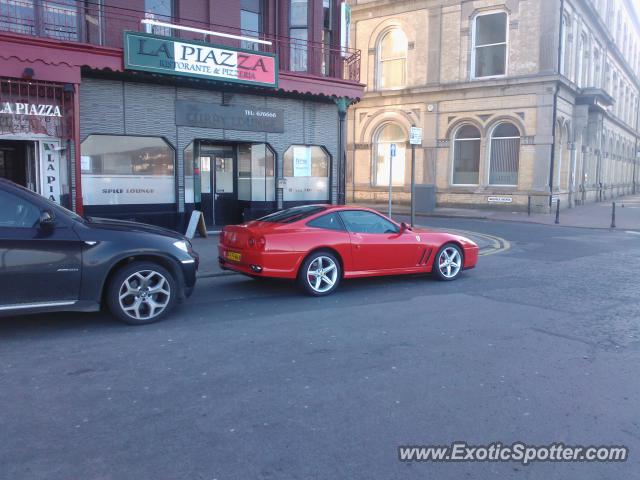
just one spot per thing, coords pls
(322, 274)
(450, 262)
(144, 295)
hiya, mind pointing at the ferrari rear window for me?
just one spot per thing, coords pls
(294, 214)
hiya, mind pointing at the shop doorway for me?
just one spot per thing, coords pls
(219, 184)
(18, 163)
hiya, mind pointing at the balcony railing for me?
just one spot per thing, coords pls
(94, 23)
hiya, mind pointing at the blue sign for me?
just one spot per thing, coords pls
(393, 150)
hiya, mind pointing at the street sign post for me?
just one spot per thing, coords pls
(393, 150)
(415, 138)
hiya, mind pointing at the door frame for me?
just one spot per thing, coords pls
(35, 149)
(233, 152)
(232, 148)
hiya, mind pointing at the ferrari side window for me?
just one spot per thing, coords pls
(327, 222)
(360, 221)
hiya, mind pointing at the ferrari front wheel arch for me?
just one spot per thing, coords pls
(320, 272)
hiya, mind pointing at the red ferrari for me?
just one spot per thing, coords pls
(319, 245)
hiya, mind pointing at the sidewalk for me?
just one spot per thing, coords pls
(592, 215)
(207, 248)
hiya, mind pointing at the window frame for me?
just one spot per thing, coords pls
(176, 185)
(490, 153)
(329, 176)
(374, 153)
(270, 195)
(307, 145)
(161, 137)
(322, 215)
(453, 154)
(297, 45)
(474, 46)
(157, 30)
(246, 44)
(346, 226)
(564, 48)
(327, 40)
(379, 60)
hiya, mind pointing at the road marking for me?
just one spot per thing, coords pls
(633, 233)
(498, 244)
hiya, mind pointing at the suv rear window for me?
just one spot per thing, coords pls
(294, 214)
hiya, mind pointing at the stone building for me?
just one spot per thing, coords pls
(517, 99)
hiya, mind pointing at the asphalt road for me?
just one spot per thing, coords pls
(252, 380)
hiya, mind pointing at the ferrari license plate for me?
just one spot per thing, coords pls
(233, 256)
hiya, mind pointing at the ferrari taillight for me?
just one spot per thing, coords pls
(259, 242)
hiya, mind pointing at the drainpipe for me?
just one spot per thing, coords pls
(635, 152)
(343, 104)
(555, 105)
(76, 139)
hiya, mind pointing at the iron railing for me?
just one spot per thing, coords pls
(95, 22)
(19, 97)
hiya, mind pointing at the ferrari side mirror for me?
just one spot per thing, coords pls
(404, 227)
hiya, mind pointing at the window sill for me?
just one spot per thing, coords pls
(491, 77)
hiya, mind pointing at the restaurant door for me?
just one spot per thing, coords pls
(19, 163)
(219, 184)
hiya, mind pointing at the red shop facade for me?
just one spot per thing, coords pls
(39, 113)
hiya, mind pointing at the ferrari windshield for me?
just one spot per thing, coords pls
(294, 214)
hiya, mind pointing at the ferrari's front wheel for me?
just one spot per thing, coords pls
(320, 274)
(448, 262)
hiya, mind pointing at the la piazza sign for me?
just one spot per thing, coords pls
(30, 109)
(158, 54)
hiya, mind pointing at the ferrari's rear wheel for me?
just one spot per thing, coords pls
(448, 262)
(320, 274)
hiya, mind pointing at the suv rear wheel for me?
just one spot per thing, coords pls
(141, 293)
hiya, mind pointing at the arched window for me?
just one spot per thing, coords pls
(505, 155)
(582, 70)
(466, 156)
(392, 59)
(389, 155)
(489, 57)
(597, 69)
(565, 58)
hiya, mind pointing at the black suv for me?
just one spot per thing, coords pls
(53, 260)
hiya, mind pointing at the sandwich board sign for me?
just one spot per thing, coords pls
(196, 222)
